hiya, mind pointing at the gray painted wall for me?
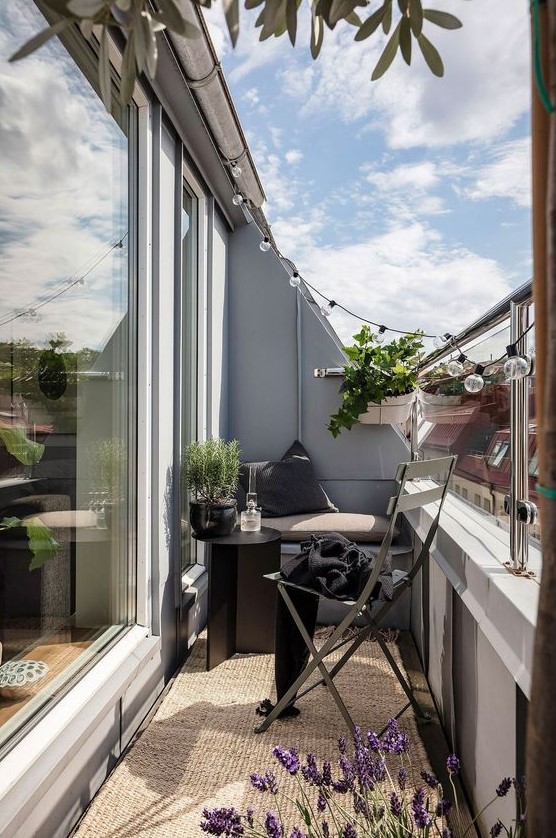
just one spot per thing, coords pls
(277, 339)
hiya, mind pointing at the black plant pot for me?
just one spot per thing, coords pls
(209, 520)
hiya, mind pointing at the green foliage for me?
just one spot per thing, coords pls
(141, 21)
(111, 468)
(20, 446)
(211, 469)
(42, 543)
(376, 371)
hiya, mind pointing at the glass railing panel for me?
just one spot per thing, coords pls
(475, 426)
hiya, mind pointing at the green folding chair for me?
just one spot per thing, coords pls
(409, 496)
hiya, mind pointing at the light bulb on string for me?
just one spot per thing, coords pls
(517, 366)
(475, 382)
(440, 340)
(238, 199)
(265, 244)
(326, 310)
(455, 366)
(295, 280)
(379, 337)
(235, 169)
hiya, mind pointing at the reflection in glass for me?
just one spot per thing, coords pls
(65, 373)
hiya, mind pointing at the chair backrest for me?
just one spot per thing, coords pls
(412, 496)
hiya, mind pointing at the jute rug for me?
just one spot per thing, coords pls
(200, 749)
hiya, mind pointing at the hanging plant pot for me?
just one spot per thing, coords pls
(394, 410)
(444, 410)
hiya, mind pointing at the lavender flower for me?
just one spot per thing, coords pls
(297, 833)
(420, 814)
(342, 744)
(325, 829)
(310, 771)
(504, 787)
(446, 833)
(273, 826)
(288, 759)
(443, 807)
(348, 831)
(258, 782)
(453, 764)
(429, 779)
(395, 805)
(374, 741)
(402, 778)
(496, 829)
(394, 740)
(326, 773)
(223, 821)
(249, 816)
(321, 802)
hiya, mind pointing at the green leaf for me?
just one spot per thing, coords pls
(172, 16)
(291, 19)
(405, 39)
(86, 8)
(42, 543)
(403, 4)
(354, 19)
(9, 523)
(231, 11)
(38, 40)
(20, 446)
(129, 71)
(317, 35)
(340, 9)
(443, 19)
(387, 19)
(388, 54)
(416, 17)
(371, 24)
(431, 56)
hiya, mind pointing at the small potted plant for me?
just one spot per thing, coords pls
(379, 381)
(109, 467)
(211, 471)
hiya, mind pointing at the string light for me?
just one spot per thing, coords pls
(379, 337)
(326, 310)
(295, 280)
(238, 199)
(475, 382)
(265, 245)
(235, 169)
(455, 366)
(517, 366)
(440, 340)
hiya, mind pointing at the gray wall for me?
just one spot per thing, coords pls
(277, 339)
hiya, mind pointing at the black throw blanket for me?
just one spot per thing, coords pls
(336, 568)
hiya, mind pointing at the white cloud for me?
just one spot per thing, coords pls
(420, 176)
(507, 176)
(294, 156)
(252, 96)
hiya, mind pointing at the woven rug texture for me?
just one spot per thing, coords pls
(200, 747)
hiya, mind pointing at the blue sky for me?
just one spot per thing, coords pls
(406, 199)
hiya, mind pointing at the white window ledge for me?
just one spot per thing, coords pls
(28, 769)
(472, 550)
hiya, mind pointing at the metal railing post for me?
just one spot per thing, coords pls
(519, 442)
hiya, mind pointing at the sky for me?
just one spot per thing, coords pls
(406, 199)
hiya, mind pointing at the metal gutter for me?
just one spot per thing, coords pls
(205, 79)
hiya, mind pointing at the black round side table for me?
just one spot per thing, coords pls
(241, 603)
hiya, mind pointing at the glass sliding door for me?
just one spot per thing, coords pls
(189, 353)
(67, 371)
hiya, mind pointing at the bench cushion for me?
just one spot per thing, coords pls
(355, 526)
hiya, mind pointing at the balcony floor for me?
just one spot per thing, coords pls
(198, 747)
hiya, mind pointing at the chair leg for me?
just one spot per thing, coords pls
(397, 672)
(317, 661)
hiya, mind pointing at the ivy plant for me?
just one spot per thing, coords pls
(375, 372)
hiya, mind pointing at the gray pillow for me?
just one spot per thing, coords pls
(287, 486)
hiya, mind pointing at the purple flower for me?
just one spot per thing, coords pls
(288, 759)
(496, 829)
(443, 807)
(373, 740)
(360, 806)
(402, 778)
(341, 786)
(222, 821)
(273, 826)
(395, 805)
(420, 814)
(297, 833)
(342, 744)
(452, 764)
(321, 802)
(504, 787)
(310, 771)
(429, 779)
(258, 782)
(249, 815)
(446, 833)
(326, 774)
(348, 831)
(325, 829)
(394, 740)
(347, 770)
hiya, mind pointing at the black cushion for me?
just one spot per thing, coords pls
(287, 486)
